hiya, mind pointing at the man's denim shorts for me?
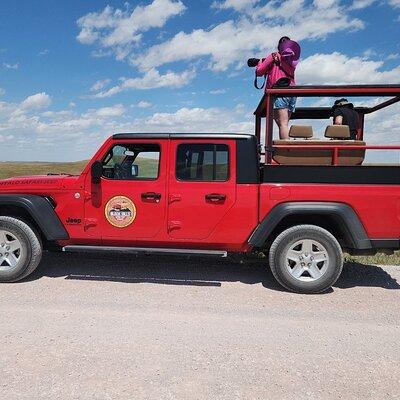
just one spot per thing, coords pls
(285, 102)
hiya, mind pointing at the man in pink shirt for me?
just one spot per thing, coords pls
(280, 68)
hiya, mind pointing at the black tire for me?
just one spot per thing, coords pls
(283, 268)
(29, 255)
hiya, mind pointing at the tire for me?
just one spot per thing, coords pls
(306, 259)
(20, 249)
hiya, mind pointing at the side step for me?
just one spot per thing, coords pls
(143, 250)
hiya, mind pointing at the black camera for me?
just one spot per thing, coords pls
(252, 62)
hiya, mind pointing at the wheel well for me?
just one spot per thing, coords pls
(327, 222)
(23, 215)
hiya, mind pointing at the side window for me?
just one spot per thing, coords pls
(202, 162)
(132, 162)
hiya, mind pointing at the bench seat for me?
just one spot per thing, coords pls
(318, 157)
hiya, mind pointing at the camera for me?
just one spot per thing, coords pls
(252, 62)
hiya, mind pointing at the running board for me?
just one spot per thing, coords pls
(144, 250)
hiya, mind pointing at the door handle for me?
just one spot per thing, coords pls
(151, 196)
(215, 197)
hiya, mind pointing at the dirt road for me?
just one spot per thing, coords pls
(166, 328)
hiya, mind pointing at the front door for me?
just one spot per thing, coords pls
(129, 204)
(202, 186)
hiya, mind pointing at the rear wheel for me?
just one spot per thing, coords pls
(20, 249)
(306, 259)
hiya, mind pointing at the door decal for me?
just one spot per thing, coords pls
(120, 211)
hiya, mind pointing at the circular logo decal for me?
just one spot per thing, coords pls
(120, 211)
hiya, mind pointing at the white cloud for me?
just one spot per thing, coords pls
(44, 52)
(73, 135)
(199, 119)
(76, 135)
(150, 80)
(144, 104)
(369, 53)
(114, 111)
(36, 101)
(100, 85)
(360, 4)
(237, 5)
(11, 66)
(256, 30)
(118, 29)
(20, 119)
(393, 56)
(337, 68)
(231, 42)
(2, 92)
(218, 91)
(5, 138)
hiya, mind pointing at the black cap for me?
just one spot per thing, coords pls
(342, 103)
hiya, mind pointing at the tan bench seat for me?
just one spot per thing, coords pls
(318, 157)
(336, 134)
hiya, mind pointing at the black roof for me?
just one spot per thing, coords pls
(164, 135)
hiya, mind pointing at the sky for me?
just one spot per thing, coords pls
(74, 72)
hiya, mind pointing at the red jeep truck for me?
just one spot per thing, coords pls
(302, 201)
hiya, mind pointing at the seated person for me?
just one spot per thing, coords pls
(344, 114)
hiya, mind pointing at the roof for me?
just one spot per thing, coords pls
(332, 91)
(164, 135)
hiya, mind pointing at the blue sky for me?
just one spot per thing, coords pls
(74, 72)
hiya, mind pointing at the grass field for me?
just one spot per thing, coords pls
(378, 259)
(147, 168)
(9, 169)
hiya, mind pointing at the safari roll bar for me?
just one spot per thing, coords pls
(265, 110)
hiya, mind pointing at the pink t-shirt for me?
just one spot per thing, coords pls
(273, 71)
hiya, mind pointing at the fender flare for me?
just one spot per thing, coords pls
(41, 211)
(342, 213)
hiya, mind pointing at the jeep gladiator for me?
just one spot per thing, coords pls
(205, 194)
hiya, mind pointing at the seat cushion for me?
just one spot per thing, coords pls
(337, 132)
(301, 131)
(289, 156)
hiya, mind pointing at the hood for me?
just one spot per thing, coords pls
(28, 183)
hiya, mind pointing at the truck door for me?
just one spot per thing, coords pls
(202, 186)
(129, 204)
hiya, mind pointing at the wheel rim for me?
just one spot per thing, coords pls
(307, 260)
(10, 250)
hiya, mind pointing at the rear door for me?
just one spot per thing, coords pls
(202, 186)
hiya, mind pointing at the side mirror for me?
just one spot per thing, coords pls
(135, 170)
(96, 172)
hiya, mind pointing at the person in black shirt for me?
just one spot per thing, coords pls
(344, 114)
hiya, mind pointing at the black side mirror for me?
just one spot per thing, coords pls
(96, 172)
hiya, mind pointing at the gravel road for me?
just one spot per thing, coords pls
(84, 327)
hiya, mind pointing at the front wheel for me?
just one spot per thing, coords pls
(306, 259)
(20, 249)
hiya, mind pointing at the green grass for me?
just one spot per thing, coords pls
(148, 168)
(379, 258)
(11, 169)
